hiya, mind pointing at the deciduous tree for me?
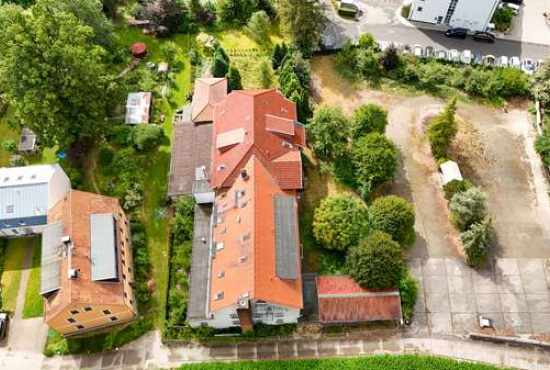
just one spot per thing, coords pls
(328, 132)
(394, 216)
(258, 27)
(377, 262)
(340, 221)
(368, 118)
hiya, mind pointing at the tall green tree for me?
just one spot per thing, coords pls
(328, 132)
(52, 73)
(234, 79)
(368, 118)
(235, 12)
(264, 74)
(377, 262)
(375, 159)
(442, 129)
(258, 27)
(393, 215)
(303, 21)
(340, 222)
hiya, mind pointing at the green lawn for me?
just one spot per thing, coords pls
(6, 133)
(34, 303)
(11, 277)
(403, 362)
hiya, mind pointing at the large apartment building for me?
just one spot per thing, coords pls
(246, 250)
(86, 270)
(474, 15)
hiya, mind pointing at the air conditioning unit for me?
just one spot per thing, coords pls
(66, 239)
(73, 274)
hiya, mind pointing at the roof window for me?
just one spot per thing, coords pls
(221, 274)
(222, 167)
(10, 208)
(219, 246)
(243, 259)
(219, 296)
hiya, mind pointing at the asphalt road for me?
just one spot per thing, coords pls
(340, 31)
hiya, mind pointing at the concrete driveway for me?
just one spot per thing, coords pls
(530, 25)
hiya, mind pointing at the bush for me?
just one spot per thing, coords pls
(9, 145)
(264, 74)
(235, 12)
(234, 79)
(468, 208)
(390, 58)
(368, 118)
(502, 18)
(406, 11)
(408, 288)
(279, 53)
(394, 216)
(169, 50)
(105, 156)
(328, 132)
(375, 158)
(340, 221)
(377, 262)
(456, 186)
(118, 134)
(542, 146)
(477, 241)
(442, 130)
(147, 137)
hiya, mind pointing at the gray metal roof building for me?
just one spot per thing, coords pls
(103, 251)
(286, 237)
(52, 254)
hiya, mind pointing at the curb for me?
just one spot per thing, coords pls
(517, 342)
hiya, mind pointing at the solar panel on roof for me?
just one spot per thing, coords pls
(52, 253)
(286, 238)
(103, 247)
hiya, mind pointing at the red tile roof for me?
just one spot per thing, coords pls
(342, 300)
(208, 92)
(271, 131)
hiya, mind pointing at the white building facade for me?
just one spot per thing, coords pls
(27, 194)
(474, 15)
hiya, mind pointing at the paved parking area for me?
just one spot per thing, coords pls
(514, 294)
(530, 25)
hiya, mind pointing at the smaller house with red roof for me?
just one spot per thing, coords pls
(341, 300)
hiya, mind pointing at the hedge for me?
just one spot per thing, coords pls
(405, 362)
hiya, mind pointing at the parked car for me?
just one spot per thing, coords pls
(466, 56)
(418, 51)
(454, 55)
(384, 45)
(515, 62)
(517, 2)
(406, 49)
(429, 52)
(528, 66)
(458, 33)
(502, 61)
(513, 7)
(484, 37)
(4, 322)
(489, 60)
(478, 58)
(441, 54)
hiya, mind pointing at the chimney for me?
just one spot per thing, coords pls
(245, 315)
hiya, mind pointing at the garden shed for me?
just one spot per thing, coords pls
(449, 172)
(27, 141)
(341, 300)
(138, 106)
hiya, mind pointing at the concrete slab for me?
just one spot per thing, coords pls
(462, 303)
(434, 266)
(496, 319)
(91, 362)
(519, 323)
(307, 349)
(246, 351)
(420, 305)
(456, 267)
(440, 323)
(131, 357)
(487, 303)
(267, 350)
(540, 323)
(509, 284)
(111, 360)
(460, 283)
(327, 348)
(513, 303)
(538, 302)
(437, 302)
(435, 284)
(464, 323)
(349, 347)
(287, 350)
(507, 266)
(223, 351)
(484, 282)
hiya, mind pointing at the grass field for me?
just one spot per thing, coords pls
(34, 303)
(11, 277)
(405, 362)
